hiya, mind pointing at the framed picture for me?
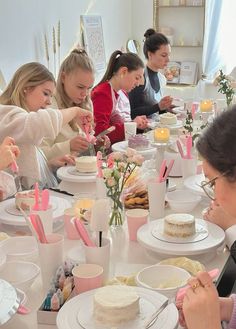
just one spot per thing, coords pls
(93, 40)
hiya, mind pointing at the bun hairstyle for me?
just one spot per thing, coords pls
(153, 41)
(118, 60)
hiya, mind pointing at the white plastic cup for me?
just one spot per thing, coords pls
(189, 167)
(101, 189)
(135, 219)
(156, 197)
(87, 277)
(51, 257)
(130, 129)
(46, 218)
(71, 232)
(99, 256)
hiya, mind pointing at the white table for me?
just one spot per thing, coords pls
(126, 258)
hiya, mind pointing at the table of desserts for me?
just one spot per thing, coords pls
(127, 258)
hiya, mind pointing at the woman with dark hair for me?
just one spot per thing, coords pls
(110, 101)
(147, 99)
(202, 308)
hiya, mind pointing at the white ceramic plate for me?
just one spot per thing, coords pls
(177, 125)
(158, 233)
(9, 219)
(193, 183)
(64, 173)
(73, 171)
(122, 147)
(215, 238)
(80, 308)
(12, 210)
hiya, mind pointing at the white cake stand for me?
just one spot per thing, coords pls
(73, 183)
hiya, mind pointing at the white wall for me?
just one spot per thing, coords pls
(24, 22)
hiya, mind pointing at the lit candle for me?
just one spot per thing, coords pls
(84, 204)
(161, 135)
(206, 105)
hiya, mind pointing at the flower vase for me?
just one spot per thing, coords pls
(116, 218)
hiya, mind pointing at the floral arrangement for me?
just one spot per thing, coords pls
(188, 127)
(226, 85)
(118, 168)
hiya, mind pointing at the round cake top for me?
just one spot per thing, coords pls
(86, 159)
(116, 296)
(26, 194)
(138, 141)
(168, 115)
(180, 219)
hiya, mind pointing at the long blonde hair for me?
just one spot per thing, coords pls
(28, 75)
(77, 59)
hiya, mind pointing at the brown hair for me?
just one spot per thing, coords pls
(118, 60)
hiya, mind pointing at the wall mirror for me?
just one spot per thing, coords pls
(133, 46)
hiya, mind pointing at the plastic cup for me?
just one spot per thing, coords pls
(135, 219)
(87, 277)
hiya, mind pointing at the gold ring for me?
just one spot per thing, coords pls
(195, 286)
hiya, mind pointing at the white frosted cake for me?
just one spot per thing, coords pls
(25, 200)
(168, 118)
(115, 304)
(86, 164)
(179, 225)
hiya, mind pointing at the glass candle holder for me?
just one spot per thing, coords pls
(161, 135)
(206, 105)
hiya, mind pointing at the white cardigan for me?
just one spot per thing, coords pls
(28, 129)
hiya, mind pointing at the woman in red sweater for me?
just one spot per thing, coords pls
(110, 100)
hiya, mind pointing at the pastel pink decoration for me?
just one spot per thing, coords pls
(194, 109)
(14, 167)
(83, 232)
(45, 199)
(36, 196)
(180, 148)
(99, 164)
(189, 145)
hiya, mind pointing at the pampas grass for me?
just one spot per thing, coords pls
(46, 49)
(54, 48)
(59, 42)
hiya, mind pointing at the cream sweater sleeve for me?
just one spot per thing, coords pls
(29, 127)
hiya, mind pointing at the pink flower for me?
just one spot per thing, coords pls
(110, 161)
(138, 159)
(111, 182)
(130, 152)
(117, 156)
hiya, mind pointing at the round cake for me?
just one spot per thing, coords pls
(86, 164)
(138, 142)
(25, 200)
(168, 118)
(115, 304)
(179, 225)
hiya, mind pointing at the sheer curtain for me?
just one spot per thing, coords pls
(219, 48)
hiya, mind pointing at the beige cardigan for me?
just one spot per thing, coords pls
(28, 129)
(60, 145)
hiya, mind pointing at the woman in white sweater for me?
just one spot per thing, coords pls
(25, 117)
(74, 83)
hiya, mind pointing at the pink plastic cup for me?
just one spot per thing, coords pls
(87, 277)
(71, 232)
(135, 219)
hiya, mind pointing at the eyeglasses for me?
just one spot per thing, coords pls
(209, 186)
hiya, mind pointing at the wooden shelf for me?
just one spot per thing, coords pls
(188, 6)
(187, 46)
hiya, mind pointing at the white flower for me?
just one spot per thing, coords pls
(138, 159)
(111, 182)
(117, 156)
(107, 172)
(130, 152)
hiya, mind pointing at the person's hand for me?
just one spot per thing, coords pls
(84, 119)
(201, 305)
(61, 161)
(78, 144)
(216, 214)
(8, 152)
(165, 103)
(141, 121)
(103, 141)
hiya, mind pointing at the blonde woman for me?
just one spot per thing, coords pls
(25, 117)
(75, 80)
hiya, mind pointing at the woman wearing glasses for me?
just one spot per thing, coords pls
(202, 308)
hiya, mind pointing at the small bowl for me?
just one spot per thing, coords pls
(182, 200)
(20, 274)
(22, 248)
(165, 279)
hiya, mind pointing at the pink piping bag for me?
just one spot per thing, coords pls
(36, 196)
(82, 232)
(180, 148)
(189, 147)
(45, 199)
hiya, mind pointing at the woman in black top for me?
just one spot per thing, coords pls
(147, 99)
